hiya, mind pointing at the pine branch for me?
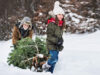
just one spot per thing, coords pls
(27, 46)
(37, 48)
(27, 60)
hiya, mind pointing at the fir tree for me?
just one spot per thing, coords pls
(25, 50)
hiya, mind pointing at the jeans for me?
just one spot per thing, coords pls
(53, 59)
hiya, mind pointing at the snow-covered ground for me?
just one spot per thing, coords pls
(81, 56)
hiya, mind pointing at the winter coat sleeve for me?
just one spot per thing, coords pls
(51, 34)
(15, 35)
(30, 33)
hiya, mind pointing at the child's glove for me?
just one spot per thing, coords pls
(60, 42)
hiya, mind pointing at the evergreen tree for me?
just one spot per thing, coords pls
(25, 50)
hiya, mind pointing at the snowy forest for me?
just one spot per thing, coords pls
(81, 35)
(81, 15)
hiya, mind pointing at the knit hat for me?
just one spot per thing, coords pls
(26, 20)
(57, 9)
(40, 55)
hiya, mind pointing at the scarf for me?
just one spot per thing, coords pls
(53, 20)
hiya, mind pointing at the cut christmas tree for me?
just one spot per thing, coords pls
(25, 50)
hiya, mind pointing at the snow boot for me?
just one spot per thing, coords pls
(45, 67)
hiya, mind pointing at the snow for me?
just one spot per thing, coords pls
(81, 56)
(74, 14)
(67, 1)
(90, 20)
(67, 5)
(84, 2)
(76, 18)
(40, 14)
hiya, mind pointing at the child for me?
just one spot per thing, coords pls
(22, 30)
(54, 37)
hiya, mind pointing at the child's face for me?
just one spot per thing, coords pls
(60, 16)
(25, 26)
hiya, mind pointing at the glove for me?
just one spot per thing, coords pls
(60, 42)
(61, 48)
(14, 46)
